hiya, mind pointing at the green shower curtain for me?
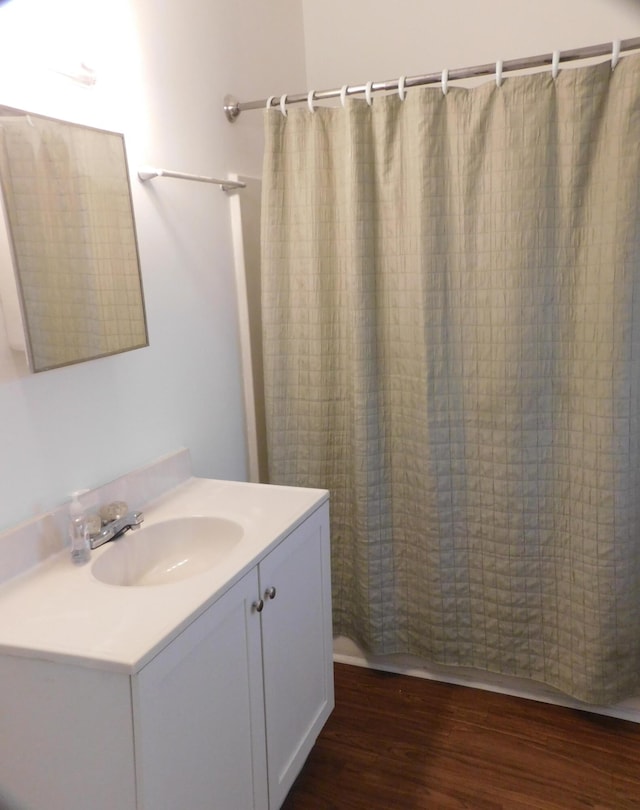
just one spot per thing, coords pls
(451, 307)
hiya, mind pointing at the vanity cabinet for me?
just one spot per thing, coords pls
(222, 718)
(226, 715)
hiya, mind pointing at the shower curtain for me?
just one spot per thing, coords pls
(451, 294)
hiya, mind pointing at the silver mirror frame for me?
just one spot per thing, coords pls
(72, 238)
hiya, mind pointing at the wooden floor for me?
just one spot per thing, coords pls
(407, 743)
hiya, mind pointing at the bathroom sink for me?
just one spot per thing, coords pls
(167, 552)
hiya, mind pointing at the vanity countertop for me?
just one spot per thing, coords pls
(61, 612)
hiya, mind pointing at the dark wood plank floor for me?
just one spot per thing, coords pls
(407, 743)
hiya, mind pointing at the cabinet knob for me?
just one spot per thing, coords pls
(258, 605)
(270, 593)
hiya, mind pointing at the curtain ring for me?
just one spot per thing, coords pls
(555, 64)
(499, 73)
(310, 100)
(445, 81)
(269, 100)
(401, 91)
(283, 104)
(367, 93)
(615, 53)
(343, 94)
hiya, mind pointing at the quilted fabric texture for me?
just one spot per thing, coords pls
(452, 346)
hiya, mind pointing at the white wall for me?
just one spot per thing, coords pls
(163, 69)
(375, 40)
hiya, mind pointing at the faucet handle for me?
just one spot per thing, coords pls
(113, 511)
(93, 524)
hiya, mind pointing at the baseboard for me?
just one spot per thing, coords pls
(346, 652)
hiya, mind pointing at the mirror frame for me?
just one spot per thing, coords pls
(119, 188)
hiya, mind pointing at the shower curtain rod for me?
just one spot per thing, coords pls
(233, 107)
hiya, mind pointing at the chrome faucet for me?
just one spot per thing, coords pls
(115, 528)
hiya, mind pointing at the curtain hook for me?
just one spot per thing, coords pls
(615, 53)
(499, 73)
(269, 100)
(445, 81)
(555, 64)
(401, 90)
(310, 96)
(367, 93)
(283, 104)
(343, 94)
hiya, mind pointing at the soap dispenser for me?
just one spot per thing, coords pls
(78, 534)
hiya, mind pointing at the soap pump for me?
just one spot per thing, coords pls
(78, 534)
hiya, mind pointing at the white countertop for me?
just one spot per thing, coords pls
(61, 612)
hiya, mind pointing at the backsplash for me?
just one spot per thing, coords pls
(30, 543)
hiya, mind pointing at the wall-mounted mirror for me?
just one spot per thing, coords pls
(70, 235)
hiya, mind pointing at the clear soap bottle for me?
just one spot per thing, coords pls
(78, 534)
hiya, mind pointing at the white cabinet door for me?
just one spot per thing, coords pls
(199, 713)
(296, 648)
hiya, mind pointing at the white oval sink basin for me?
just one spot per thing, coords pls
(167, 552)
